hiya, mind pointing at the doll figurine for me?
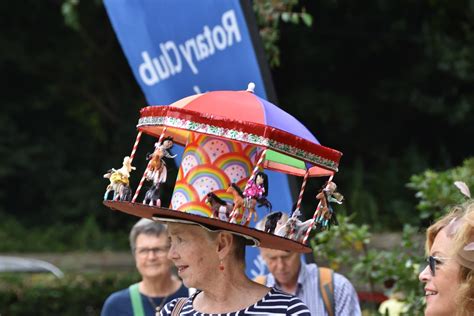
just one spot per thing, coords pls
(157, 171)
(257, 188)
(327, 196)
(119, 183)
(164, 146)
(256, 191)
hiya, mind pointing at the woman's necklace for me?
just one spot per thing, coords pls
(156, 307)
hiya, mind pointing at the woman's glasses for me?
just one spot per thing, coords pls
(158, 251)
(433, 261)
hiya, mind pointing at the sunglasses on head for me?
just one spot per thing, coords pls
(433, 261)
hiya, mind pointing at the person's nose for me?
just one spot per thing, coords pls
(172, 253)
(425, 275)
(152, 254)
(280, 263)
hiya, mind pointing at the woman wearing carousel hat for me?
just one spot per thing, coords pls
(213, 262)
(230, 137)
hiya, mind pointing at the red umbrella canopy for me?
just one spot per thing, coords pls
(243, 116)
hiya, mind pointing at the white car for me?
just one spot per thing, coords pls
(17, 264)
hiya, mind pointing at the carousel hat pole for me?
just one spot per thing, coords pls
(257, 168)
(316, 212)
(297, 212)
(135, 146)
(142, 180)
(250, 88)
(300, 197)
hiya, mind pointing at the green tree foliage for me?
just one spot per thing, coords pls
(348, 245)
(436, 190)
(269, 16)
(66, 114)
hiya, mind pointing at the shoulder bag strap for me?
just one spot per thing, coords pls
(326, 288)
(179, 306)
(137, 305)
(261, 279)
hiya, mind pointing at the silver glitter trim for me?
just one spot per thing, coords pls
(237, 135)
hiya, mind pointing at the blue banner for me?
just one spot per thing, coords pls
(180, 48)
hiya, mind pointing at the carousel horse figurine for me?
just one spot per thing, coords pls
(264, 202)
(272, 221)
(152, 196)
(294, 229)
(119, 183)
(326, 214)
(238, 200)
(157, 177)
(220, 208)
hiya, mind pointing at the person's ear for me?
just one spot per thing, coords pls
(225, 241)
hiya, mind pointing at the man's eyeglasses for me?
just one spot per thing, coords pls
(157, 251)
(433, 261)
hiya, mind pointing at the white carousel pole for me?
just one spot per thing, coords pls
(298, 203)
(135, 146)
(300, 196)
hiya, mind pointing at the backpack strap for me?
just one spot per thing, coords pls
(179, 306)
(326, 288)
(261, 279)
(137, 305)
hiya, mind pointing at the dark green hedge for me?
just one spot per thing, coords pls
(81, 294)
(60, 237)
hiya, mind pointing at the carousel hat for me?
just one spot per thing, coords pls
(230, 138)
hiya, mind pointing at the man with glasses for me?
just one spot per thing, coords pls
(149, 244)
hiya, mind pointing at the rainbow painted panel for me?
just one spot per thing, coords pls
(210, 165)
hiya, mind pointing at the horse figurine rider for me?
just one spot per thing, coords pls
(257, 188)
(326, 214)
(157, 171)
(119, 183)
(257, 191)
(238, 208)
(161, 151)
(220, 208)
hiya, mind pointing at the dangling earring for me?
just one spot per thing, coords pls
(221, 266)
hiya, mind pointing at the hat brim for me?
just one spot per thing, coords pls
(257, 237)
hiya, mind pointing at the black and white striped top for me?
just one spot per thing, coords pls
(275, 302)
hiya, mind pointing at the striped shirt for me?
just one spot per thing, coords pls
(275, 302)
(345, 296)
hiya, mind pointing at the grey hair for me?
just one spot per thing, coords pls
(147, 227)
